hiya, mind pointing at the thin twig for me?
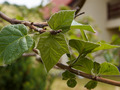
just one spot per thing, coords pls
(29, 54)
(79, 4)
(29, 24)
(55, 32)
(79, 14)
(79, 73)
(96, 78)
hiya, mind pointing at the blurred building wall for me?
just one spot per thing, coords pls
(98, 10)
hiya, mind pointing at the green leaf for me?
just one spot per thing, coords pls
(82, 46)
(66, 75)
(14, 41)
(71, 83)
(104, 46)
(84, 65)
(108, 56)
(76, 25)
(108, 69)
(91, 84)
(52, 47)
(96, 67)
(61, 20)
(84, 35)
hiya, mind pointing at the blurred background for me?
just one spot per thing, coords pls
(29, 74)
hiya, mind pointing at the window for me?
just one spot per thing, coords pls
(113, 10)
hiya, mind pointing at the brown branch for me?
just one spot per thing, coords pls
(29, 54)
(55, 32)
(79, 73)
(14, 21)
(96, 78)
(29, 24)
(79, 4)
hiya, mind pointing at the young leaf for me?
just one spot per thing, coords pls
(14, 41)
(61, 20)
(52, 47)
(84, 65)
(84, 35)
(104, 46)
(82, 46)
(91, 84)
(76, 25)
(66, 75)
(96, 67)
(108, 69)
(71, 83)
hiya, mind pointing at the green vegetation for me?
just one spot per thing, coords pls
(25, 74)
(20, 13)
(51, 45)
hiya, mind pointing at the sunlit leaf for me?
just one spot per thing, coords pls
(83, 46)
(76, 25)
(52, 47)
(84, 65)
(62, 20)
(108, 69)
(104, 46)
(14, 41)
